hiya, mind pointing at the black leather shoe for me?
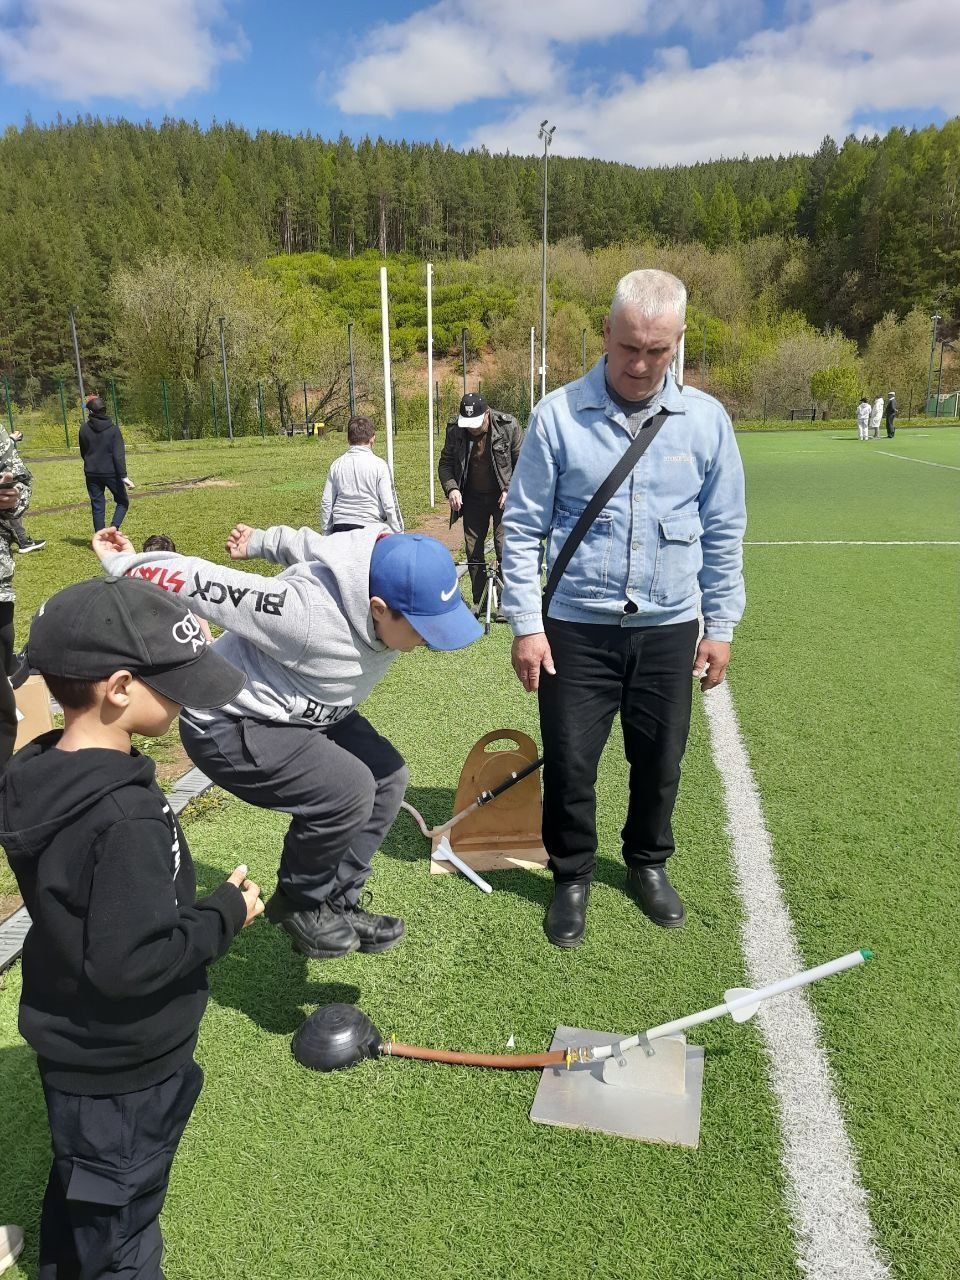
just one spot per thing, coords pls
(376, 933)
(566, 920)
(656, 896)
(318, 932)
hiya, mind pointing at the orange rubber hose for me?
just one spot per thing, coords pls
(505, 1061)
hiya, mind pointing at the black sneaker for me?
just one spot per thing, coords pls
(318, 932)
(376, 933)
(32, 545)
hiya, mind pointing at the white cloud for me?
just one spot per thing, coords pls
(782, 91)
(461, 51)
(151, 51)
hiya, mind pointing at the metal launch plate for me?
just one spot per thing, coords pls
(581, 1099)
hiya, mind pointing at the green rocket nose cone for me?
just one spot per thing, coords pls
(867, 955)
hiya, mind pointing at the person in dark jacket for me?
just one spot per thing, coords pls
(480, 451)
(115, 961)
(104, 464)
(890, 414)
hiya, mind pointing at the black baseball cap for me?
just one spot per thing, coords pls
(92, 629)
(472, 408)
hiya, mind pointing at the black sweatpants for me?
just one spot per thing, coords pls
(478, 512)
(96, 485)
(645, 673)
(111, 1165)
(342, 787)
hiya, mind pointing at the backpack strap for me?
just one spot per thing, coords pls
(638, 446)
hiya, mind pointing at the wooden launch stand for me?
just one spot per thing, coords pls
(504, 835)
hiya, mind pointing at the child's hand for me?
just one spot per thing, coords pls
(250, 891)
(238, 541)
(108, 542)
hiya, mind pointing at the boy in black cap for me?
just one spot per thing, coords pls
(475, 469)
(115, 962)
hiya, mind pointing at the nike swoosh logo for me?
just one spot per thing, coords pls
(446, 595)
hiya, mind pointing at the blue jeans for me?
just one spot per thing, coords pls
(95, 488)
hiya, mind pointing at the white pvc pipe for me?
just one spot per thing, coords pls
(433, 498)
(387, 389)
(443, 853)
(678, 361)
(744, 1001)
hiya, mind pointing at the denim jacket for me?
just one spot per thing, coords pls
(667, 544)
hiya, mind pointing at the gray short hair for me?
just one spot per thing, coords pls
(653, 293)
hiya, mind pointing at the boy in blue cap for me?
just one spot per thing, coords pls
(313, 642)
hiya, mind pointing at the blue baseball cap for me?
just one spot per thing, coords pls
(416, 576)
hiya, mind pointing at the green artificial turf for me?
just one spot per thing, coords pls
(844, 679)
(846, 687)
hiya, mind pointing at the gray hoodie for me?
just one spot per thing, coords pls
(304, 639)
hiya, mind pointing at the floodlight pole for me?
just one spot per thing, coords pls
(463, 356)
(933, 348)
(226, 380)
(433, 497)
(547, 136)
(76, 356)
(678, 360)
(387, 386)
(353, 383)
(583, 351)
(532, 368)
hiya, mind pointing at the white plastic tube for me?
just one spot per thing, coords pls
(741, 1003)
(443, 853)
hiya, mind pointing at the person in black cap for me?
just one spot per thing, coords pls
(475, 469)
(104, 464)
(115, 962)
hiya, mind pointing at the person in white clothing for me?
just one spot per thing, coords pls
(876, 417)
(359, 488)
(863, 418)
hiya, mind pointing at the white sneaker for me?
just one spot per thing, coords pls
(11, 1246)
(35, 545)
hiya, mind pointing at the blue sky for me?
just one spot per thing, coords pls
(620, 80)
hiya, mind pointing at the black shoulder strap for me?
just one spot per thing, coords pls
(637, 448)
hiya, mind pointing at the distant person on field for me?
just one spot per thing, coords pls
(115, 963)
(863, 419)
(14, 524)
(359, 488)
(476, 466)
(14, 497)
(876, 416)
(104, 463)
(891, 415)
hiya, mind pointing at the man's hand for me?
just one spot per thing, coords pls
(128, 483)
(239, 540)
(528, 655)
(710, 664)
(9, 497)
(250, 891)
(110, 542)
(455, 498)
(503, 498)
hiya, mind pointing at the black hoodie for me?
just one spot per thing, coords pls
(101, 447)
(115, 962)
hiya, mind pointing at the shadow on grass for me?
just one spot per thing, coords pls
(264, 978)
(25, 1143)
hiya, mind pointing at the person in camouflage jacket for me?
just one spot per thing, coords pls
(15, 486)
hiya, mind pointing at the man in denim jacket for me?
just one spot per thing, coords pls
(622, 629)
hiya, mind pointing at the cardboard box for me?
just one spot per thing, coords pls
(33, 706)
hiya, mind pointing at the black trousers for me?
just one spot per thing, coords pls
(111, 1166)
(344, 528)
(98, 503)
(645, 673)
(342, 787)
(478, 512)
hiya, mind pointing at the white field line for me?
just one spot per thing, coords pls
(944, 466)
(828, 1205)
(813, 542)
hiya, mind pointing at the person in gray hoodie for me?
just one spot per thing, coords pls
(313, 642)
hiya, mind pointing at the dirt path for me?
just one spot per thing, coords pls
(202, 482)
